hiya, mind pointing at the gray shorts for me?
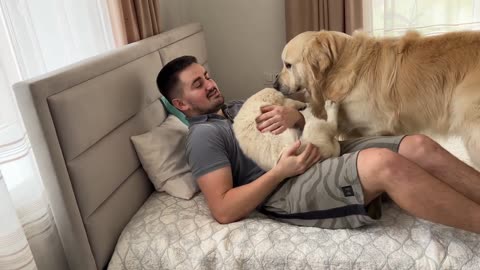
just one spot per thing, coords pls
(329, 194)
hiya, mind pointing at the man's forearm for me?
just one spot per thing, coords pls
(240, 201)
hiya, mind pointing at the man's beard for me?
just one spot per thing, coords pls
(214, 109)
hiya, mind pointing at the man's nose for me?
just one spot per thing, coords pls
(210, 84)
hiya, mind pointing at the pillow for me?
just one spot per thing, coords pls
(162, 154)
(174, 111)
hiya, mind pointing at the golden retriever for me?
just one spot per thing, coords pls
(266, 148)
(389, 86)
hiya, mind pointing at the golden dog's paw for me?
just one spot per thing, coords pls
(331, 105)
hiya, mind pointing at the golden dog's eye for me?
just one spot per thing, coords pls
(288, 65)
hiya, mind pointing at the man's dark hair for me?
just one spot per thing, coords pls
(167, 79)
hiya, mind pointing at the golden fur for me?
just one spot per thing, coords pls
(266, 148)
(391, 85)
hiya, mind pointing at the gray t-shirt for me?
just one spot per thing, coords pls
(211, 145)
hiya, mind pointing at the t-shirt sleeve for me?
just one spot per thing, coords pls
(206, 150)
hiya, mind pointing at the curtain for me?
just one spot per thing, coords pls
(314, 15)
(14, 249)
(429, 17)
(36, 37)
(133, 20)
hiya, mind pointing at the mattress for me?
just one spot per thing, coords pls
(171, 233)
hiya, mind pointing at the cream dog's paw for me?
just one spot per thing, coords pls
(331, 105)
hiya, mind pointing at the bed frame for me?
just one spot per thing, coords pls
(80, 119)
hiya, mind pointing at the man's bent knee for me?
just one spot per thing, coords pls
(377, 162)
(418, 147)
(376, 167)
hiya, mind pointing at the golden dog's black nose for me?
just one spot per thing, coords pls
(276, 84)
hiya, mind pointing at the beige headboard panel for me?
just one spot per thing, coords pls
(80, 120)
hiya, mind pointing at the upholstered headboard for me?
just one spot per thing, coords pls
(80, 120)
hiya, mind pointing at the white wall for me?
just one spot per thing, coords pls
(244, 39)
(174, 13)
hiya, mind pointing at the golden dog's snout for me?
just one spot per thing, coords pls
(276, 83)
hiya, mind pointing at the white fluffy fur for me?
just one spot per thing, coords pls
(266, 148)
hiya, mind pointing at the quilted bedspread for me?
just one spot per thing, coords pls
(171, 233)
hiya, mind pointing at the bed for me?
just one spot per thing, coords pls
(80, 120)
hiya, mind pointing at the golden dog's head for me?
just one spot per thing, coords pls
(307, 60)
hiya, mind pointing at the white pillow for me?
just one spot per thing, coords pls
(162, 154)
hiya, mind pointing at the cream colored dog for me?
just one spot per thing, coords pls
(266, 148)
(392, 85)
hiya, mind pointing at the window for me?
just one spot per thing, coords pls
(429, 17)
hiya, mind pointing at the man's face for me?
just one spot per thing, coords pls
(200, 94)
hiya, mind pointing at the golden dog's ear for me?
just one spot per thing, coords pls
(324, 51)
(327, 67)
(341, 72)
(318, 104)
(319, 54)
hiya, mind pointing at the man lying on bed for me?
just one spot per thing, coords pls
(344, 192)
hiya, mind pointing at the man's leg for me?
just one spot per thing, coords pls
(440, 163)
(415, 190)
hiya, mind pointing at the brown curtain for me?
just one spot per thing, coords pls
(314, 15)
(133, 20)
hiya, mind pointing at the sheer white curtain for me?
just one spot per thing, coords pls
(36, 37)
(429, 17)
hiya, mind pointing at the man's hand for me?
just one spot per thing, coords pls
(291, 164)
(276, 119)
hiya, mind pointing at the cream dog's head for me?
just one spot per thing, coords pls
(307, 60)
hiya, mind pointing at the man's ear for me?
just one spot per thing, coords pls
(179, 104)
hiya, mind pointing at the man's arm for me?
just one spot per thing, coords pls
(228, 204)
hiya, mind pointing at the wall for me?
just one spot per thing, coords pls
(244, 39)
(174, 13)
